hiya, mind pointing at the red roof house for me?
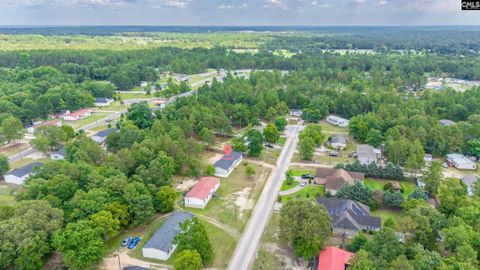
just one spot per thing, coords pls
(333, 258)
(77, 115)
(202, 192)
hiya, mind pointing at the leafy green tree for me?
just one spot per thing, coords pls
(401, 262)
(84, 148)
(48, 138)
(417, 193)
(69, 132)
(362, 261)
(4, 165)
(239, 145)
(384, 247)
(314, 132)
(210, 170)
(255, 142)
(307, 147)
(271, 114)
(249, 171)
(159, 171)
(164, 199)
(296, 219)
(80, 244)
(357, 192)
(393, 199)
(11, 129)
(194, 237)
(271, 133)
(107, 225)
(281, 122)
(141, 115)
(207, 136)
(358, 242)
(188, 260)
(433, 177)
(427, 224)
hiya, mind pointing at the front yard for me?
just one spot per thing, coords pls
(309, 192)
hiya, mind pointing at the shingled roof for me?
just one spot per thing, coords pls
(203, 188)
(226, 163)
(21, 172)
(334, 179)
(348, 214)
(163, 237)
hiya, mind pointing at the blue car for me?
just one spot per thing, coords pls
(126, 241)
(134, 242)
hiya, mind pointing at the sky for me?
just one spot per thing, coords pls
(235, 12)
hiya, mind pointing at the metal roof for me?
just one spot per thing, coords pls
(60, 151)
(104, 133)
(163, 237)
(225, 163)
(21, 172)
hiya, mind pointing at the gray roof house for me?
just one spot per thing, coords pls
(18, 176)
(366, 154)
(225, 165)
(446, 122)
(469, 180)
(338, 141)
(161, 245)
(59, 154)
(349, 216)
(100, 136)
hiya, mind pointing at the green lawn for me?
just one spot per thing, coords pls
(310, 192)
(281, 141)
(25, 161)
(87, 120)
(285, 186)
(9, 150)
(397, 215)
(7, 200)
(325, 159)
(299, 171)
(125, 96)
(248, 189)
(114, 106)
(328, 128)
(270, 155)
(408, 187)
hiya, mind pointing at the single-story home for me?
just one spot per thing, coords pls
(446, 122)
(334, 179)
(100, 136)
(225, 165)
(80, 114)
(55, 122)
(349, 216)
(338, 141)
(333, 258)
(161, 245)
(160, 103)
(367, 154)
(469, 180)
(103, 102)
(461, 162)
(59, 154)
(18, 176)
(428, 158)
(337, 121)
(202, 192)
(296, 113)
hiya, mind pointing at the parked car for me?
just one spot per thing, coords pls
(333, 154)
(134, 242)
(304, 183)
(307, 176)
(126, 241)
(445, 165)
(268, 145)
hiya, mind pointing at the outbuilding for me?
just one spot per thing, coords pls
(461, 162)
(202, 192)
(18, 176)
(337, 121)
(338, 141)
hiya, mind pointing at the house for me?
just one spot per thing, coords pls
(161, 245)
(80, 114)
(225, 165)
(337, 121)
(18, 176)
(338, 141)
(100, 136)
(159, 103)
(181, 77)
(296, 113)
(102, 102)
(469, 180)
(428, 159)
(349, 216)
(461, 162)
(446, 122)
(367, 154)
(31, 129)
(202, 192)
(59, 154)
(334, 179)
(333, 258)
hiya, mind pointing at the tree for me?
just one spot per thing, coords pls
(188, 260)
(141, 115)
(159, 171)
(106, 224)
(452, 193)
(12, 129)
(427, 223)
(164, 199)
(271, 133)
(194, 237)
(357, 192)
(207, 136)
(281, 123)
(306, 225)
(401, 262)
(358, 242)
(69, 132)
(393, 199)
(307, 147)
(249, 171)
(384, 247)
(48, 138)
(433, 177)
(210, 170)
(80, 244)
(362, 261)
(4, 165)
(255, 142)
(418, 193)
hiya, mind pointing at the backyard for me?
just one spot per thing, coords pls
(377, 184)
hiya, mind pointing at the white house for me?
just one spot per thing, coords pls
(202, 192)
(296, 113)
(74, 116)
(31, 129)
(100, 136)
(103, 102)
(337, 121)
(161, 245)
(159, 103)
(226, 165)
(18, 176)
(461, 162)
(367, 154)
(469, 180)
(338, 141)
(59, 154)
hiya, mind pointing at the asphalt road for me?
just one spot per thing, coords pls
(247, 246)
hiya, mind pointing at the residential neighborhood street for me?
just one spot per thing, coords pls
(250, 240)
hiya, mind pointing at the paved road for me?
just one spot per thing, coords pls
(247, 246)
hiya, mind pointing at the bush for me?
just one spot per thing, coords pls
(393, 199)
(389, 171)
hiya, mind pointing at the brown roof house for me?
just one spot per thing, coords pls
(334, 179)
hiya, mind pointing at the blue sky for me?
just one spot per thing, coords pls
(235, 12)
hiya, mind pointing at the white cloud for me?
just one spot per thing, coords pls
(224, 6)
(176, 3)
(383, 2)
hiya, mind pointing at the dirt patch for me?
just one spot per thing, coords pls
(214, 158)
(286, 257)
(243, 201)
(185, 184)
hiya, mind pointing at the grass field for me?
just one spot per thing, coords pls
(328, 128)
(284, 53)
(6, 197)
(309, 192)
(281, 141)
(266, 259)
(270, 155)
(299, 171)
(287, 187)
(324, 159)
(408, 187)
(397, 215)
(114, 107)
(87, 120)
(125, 96)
